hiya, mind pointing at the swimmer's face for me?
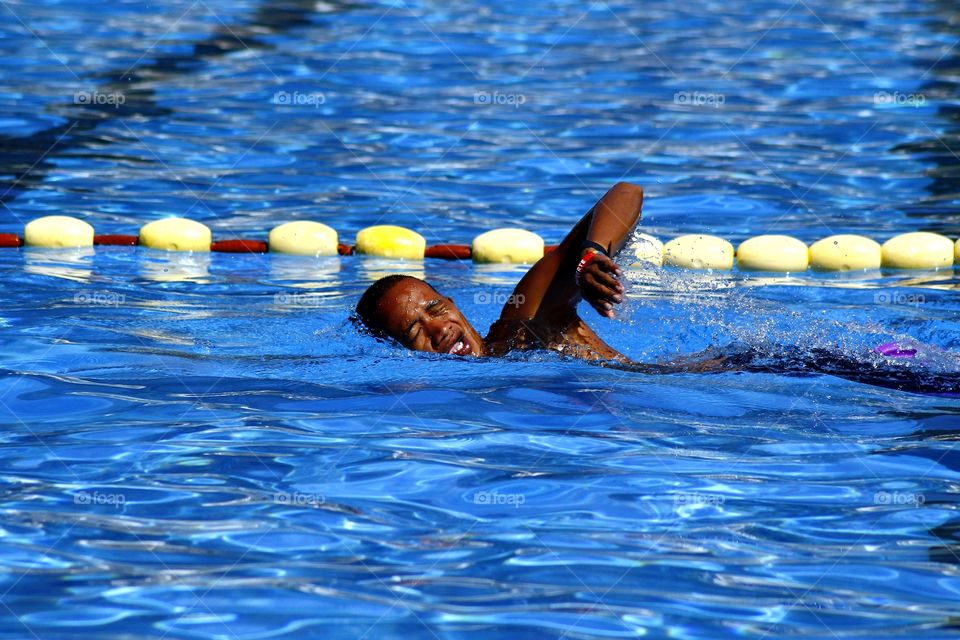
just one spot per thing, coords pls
(421, 319)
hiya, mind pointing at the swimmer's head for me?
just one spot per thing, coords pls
(414, 314)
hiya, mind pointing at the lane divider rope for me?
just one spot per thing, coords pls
(773, 253)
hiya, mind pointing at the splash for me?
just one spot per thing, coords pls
(669, 312)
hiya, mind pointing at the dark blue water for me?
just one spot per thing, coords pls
(202, 447)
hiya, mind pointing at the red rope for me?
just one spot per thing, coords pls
(116, 239)
(239, 246)
(10, 240)
(448, 251)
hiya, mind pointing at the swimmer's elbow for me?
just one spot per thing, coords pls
(628, 188)
(631, 194)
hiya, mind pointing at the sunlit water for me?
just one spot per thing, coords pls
(203, 447)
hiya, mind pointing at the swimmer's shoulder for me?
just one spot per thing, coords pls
(569, 335)
(509, 334)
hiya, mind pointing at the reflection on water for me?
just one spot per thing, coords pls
(132, 94)
(496, 274)
(940, 139)
(71, 264)
(373, 268)
(174, 266)
(305, 272)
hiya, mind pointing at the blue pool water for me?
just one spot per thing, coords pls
(202, 447)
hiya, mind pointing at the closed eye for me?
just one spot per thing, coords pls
(412, 337)
(436, 307)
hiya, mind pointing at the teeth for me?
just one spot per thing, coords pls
(456, 347)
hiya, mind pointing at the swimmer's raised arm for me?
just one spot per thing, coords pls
(549, 289)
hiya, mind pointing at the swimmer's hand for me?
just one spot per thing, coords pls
(600, 284)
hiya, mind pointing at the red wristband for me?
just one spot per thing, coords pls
(584, 261)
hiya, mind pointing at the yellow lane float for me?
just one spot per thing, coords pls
(389, 241)
(176, 234)
(845, 252)
(58, 231)
(303, 238)
(773, 253)
(507, 245)
(647, 250)
(917, 250)
(699, 251)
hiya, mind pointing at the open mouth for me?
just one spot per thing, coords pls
(459, 347)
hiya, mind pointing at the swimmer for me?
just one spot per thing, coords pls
(542, 314)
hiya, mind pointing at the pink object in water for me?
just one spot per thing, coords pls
(893, 350)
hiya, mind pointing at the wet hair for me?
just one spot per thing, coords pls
(366, 312)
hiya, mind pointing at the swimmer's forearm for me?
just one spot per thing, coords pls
(615, 216)
(549, 289)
